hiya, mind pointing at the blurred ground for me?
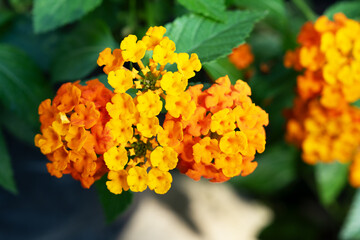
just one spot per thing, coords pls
(194, 211)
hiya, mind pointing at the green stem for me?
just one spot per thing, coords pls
(305, 9)
(132, 15)
(150, 17)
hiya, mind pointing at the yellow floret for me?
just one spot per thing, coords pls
(132, 50)
(159, 181)
(165, 158)
(116, 158)
(121, 80)
(137, 179)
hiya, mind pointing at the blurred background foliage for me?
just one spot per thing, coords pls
(45, 43)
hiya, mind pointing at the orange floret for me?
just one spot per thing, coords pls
(72, 127)
(111, 61)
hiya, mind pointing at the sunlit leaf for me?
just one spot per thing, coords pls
(214, 9)
(210, 39)
(351, 226)
(330, 178)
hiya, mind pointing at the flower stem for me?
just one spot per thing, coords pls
(305, 9)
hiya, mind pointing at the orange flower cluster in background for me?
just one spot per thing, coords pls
(241, 56)
(73, 132)
(324, 134)
(89, 131)
(220, 140)
(329, 53)
(323, 123)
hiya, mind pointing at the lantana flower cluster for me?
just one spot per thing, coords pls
(324, 134)
(73, 131)
(89, 130)
(323, 123)
(221, 138)
(329, 54)
(134, 123)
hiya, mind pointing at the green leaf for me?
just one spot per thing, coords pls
(330, 179)
(276, 9)
(77, 55)
(351, 227)
(6, 174)
(214, 9)
(356, 103)
(48, 15)
(18, 127)
(209, 39)
(39, 47)
(20, 6)
(276, 169)
(222, 67)
(271, 41)
(22, 84)
(5, 16)
(350, 8)
(113, 204)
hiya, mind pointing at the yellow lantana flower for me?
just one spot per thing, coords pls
(137, 179)
(165, 52)
(148, 127)
(121, 80)
(180, 105)
(117, 181)
(187, 65)
(122, 106)
(149, 104)
(173, 83)
(165, 158)
(153, 36)
(116, 158)
(231, 165)
(222, 122)
(121, 130)
(132, 50)
(233, 142)
(159, 181)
